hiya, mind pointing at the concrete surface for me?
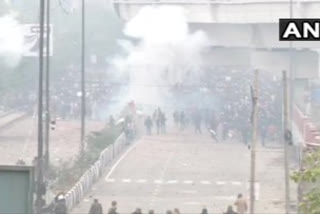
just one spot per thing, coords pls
(189, 172)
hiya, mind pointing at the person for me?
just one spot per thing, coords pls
(137, 211)
(113, 209)
(176, 211)
(176, 118)
(96, 207)
(241, 204)
(60, 207)
(169, 212)
(151, 212)
(163, 121)
(158, 120)
(197, 122)
(148, 124)
(182, 120)
(204, 211)
(112, 122)
(230, 210)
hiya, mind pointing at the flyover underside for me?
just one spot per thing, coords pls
(232, 11)
(305, 63)
(248, 35)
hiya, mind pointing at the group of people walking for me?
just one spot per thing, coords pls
(240, 204)
(182, 119)
(159, 120)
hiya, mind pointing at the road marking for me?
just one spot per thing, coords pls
(119, 160)
(238, 183)
(192, 203)
(205, 182)
(142, 181)
(172, 182)
(110, 180)
(189, 191)
(223, 197)
(220, 183)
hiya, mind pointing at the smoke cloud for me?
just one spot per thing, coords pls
(166, 53)
(11, 40)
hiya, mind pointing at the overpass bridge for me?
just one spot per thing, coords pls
(244, 30)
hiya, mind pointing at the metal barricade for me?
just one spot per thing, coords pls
(93, 174)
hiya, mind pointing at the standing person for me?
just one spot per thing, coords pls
(176, 118)
(113, 209)
(182, 121)
(148, 124)
(197, 122)
(158, 121)
(230, 210)
(163, 121)
(241, 204)
(96, 207)
(112, 122)
(137, 211)
(60, 207)
(204, 211)
(155, 115)
(176, 211)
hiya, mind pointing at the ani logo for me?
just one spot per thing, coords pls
(299, 29)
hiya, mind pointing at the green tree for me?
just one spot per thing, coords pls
(310, 177)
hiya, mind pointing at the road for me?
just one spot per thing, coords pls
(19, 140)
(189, 172)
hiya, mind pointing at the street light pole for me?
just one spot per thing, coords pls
(39, 183)
(285, 142)
(83, 91)
(47, 106)
(254, 118)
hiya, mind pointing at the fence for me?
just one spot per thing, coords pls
(91, 176)
(309, 132)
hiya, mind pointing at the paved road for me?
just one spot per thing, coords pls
(188, 172)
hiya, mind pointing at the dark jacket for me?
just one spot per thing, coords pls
(96, 208)
(60, 208)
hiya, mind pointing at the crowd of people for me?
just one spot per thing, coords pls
(159, 120)
(240, 204)
(234, 103)
(230, 110)
(24, 101)
(96, 207)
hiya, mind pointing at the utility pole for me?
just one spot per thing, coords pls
(254, 91)
(285, 141)
(47, 90)
(83, 89)
(39, 183)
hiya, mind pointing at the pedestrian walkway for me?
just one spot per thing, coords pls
(8, 118)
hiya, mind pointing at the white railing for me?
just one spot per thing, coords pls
(92, 175)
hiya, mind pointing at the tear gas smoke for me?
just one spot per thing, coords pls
(11, 40)
(166, 54)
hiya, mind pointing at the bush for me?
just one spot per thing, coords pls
(70, 172)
